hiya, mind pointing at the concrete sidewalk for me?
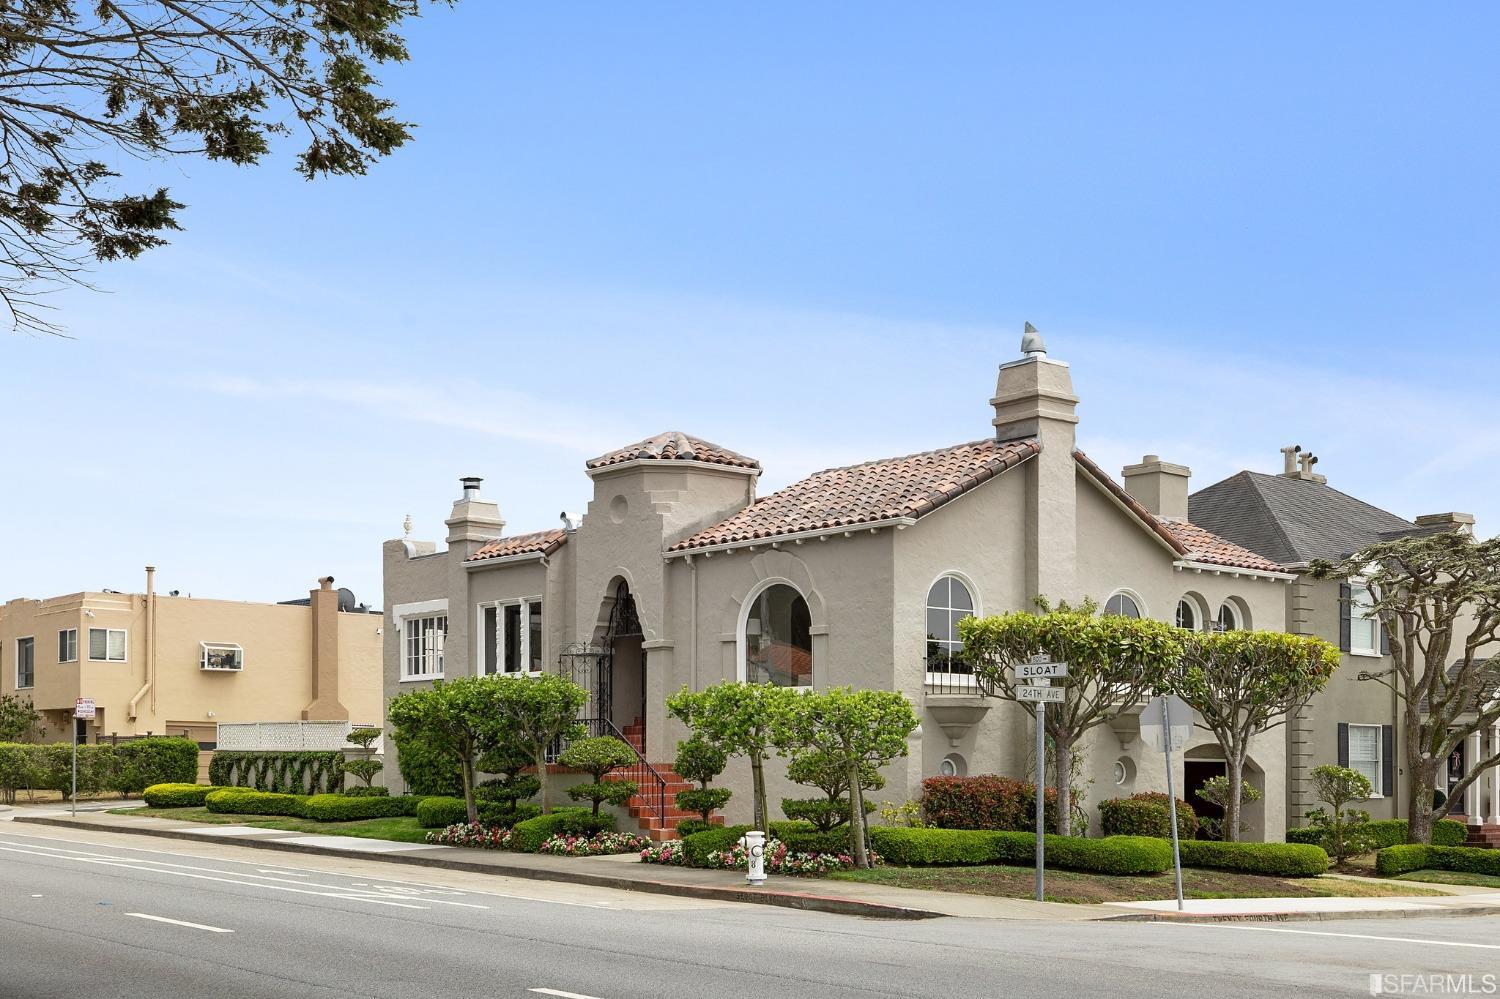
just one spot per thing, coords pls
(848, 898)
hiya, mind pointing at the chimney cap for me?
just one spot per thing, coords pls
(1031, 342)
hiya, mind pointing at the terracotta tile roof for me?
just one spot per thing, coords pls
(675, 446)
(876, 491)
(539, 543)
(1193, 543)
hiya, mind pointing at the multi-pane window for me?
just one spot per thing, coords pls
(25, 662)
(1364, 629)
(67, 645)
(425, 637)
(510, 637)
(1364, 752)
(1122, 605)
(948, 602)
(107, 645)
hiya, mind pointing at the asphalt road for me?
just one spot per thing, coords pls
(87, 915)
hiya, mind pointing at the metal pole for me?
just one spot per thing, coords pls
(74, 799)
(1172, 804)
(1041, 800)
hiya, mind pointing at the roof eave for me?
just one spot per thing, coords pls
(900, 523)
(710, 466)
(1218, 569)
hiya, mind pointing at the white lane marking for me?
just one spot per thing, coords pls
(178, 922)
(561, 995)
(261, 870)
(1346, 936)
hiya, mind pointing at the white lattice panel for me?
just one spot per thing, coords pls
(285, 736)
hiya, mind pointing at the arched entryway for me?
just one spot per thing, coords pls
(613, 666)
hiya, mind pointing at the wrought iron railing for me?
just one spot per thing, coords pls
(651, 786)
(948, 675)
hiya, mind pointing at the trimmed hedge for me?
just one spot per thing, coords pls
(1286, 860)
(1392, 832)
(440, 812)
(1410, 857)
(529, 836)
(804, 837)
(128, 768)
(427, 771)
(155, 760)
(1119, 855)
(1146, 814)
(279, 773)
(242, 801)
(178, 795)
(363, 791)
(698, 846)
(985, 802)
(342, 808)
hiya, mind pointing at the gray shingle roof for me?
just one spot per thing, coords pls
(1292, 521)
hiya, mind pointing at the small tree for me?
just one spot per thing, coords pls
(1215, 791)
(366, 767)
(1245, 683)
(460, 719)
(828, 774)
(856, 729)
(599, 757)
(539, 712)
(1438, 599)
(1113, 662)
(18, 719)
(700, 761)
(742, 720)
(1344, 833)
(509, 785)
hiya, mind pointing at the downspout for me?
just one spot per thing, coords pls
(150, 665)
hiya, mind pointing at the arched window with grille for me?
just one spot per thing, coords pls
(948, 602)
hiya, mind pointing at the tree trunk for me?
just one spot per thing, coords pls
(468, 775)
(1236, 763)
(857, 817)
(541, 775)
(1064, 749)
(758, 777)
(1424, 773)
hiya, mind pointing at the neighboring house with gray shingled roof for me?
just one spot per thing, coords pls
(679, 574)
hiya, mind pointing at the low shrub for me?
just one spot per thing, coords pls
(984, 802)
(154, 760)
(1111, 855)
(805, 837)
(1392, 832)
(531, 834)
(1445, 832)
(507, 813)
(687, 827)
(178, 795)
(441, 812)
(1402, 859)
(343, 808)
(1410, 857)
(475, 837)
(698, 846)
(1286, 860)
(242, 801)
(934, 846)
(367, 791)
(1114, 855)
(1146, 814)
(605, 844)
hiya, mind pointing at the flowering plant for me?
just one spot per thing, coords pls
(665, 853)
(780, 860)
(473, 835)
(599, 845)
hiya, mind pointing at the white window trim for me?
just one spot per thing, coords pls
(220, 646)
(399, 615)
(1378, 783)
(107, 632)
(948, 679)
(1234, 611)
(1140, 605)
(74, 632)
(1373, 652)
(19, 640)
(742, 646)
(525, 645)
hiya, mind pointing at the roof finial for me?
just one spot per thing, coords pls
(1031, 342)
(406, 526)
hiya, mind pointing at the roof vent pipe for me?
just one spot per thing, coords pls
(1031, 342)
(471, 487)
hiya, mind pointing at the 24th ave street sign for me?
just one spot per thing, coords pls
(1041, 695)
(1039, 668)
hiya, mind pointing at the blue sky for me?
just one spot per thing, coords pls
(807, 234)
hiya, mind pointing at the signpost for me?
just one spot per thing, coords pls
(83, 708)
(1038, 672)
(1167, 725)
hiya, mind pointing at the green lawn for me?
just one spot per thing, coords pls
(1452, 878)
(1069, 886)
(403, 829)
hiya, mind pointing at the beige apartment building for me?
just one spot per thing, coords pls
(165, 664)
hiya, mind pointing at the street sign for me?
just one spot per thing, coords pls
(1041, 695)
(1039, 668)
(1169, 730)
(84, 708)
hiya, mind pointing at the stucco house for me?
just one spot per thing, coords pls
(679, 574)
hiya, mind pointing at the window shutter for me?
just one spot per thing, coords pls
(1346, 597)
(1343, 744)
(1388, 760)
(1385, 641)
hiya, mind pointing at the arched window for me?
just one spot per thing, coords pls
(1122, 605)
(778, 638)
(1187, 615)
(948, 602)
(1229, 617)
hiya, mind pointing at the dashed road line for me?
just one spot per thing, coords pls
(179, 922)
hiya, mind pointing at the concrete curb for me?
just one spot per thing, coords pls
(787, 900)
(1301, 917)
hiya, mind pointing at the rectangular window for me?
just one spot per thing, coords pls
(489, 640)
(107, 645)
(513, 661)
(425, 637)
(510, 637)
(1364, 753)
(534, 635)
(222, 656)
(67, 645)
(25, 662)
(1364, 629)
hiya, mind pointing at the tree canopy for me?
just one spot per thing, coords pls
(88, 86)
(459, 718)
(742, 720)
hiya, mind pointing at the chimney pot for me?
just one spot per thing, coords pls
(471, 485)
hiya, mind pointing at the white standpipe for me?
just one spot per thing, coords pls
(754, 843)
